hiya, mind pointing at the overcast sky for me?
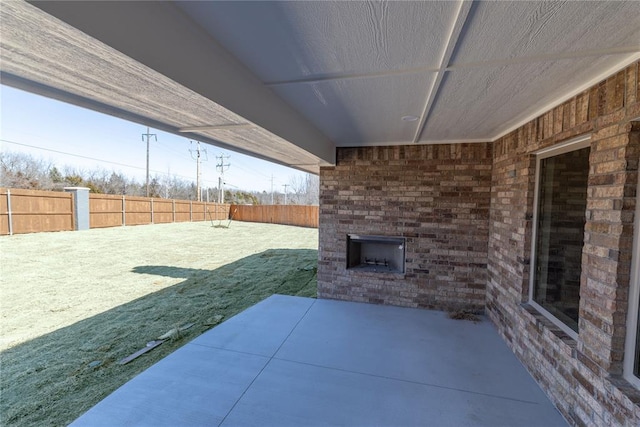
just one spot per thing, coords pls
(55, 128)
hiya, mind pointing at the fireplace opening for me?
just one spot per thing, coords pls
(375, 253)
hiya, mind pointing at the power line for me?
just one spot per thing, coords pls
(93, 158)
(254, 172)
(156, 171)
(71, 154)
(172, 150)
(231, 185)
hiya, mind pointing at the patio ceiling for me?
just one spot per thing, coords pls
(290, 81)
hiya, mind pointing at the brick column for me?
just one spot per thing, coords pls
(608, 244)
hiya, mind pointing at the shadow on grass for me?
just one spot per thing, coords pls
(175, 272)
(53, 379)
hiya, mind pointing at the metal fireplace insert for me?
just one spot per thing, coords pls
(381, 254)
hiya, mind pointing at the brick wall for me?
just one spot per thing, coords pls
(435, 196)
(583, 376)
(468, 218)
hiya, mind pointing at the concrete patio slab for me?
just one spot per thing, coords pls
(195, 386)
(298, 361)
(413, 345)
(293, 394)
(260, 329)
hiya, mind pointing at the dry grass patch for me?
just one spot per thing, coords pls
(75, 303)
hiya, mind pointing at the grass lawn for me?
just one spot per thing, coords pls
(74, 303)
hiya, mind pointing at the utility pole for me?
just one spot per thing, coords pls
(197, 159)
(285, 193)
(221, 167)
(272, 189)
(148, 136)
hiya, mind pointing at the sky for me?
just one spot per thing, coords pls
(85, 140)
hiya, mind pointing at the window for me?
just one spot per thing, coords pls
(632, 349)
(559, 219)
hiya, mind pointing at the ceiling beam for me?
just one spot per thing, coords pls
(456, 30)
(546, 58)
(17, 82)
(460, 66)
(347, 76)
(160, 36)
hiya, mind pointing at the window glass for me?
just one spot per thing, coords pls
(632, 345)
(635, 291)
(636, 364)
(562, 202)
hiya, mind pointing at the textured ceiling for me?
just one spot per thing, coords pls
(304, 77)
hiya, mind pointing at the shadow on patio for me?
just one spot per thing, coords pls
(299, 361)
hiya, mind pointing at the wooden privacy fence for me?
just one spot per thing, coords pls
(33, 211)
(302, 216)
(29, 211)
(107, 210)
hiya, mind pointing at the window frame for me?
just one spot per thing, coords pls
(556, 150)
(634, 301)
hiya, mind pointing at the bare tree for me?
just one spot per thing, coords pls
(19, 170)
(304, 189)
(313, 189)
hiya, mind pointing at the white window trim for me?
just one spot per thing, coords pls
(572, 145)
(634, 300)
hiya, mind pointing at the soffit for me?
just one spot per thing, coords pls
(310, 76)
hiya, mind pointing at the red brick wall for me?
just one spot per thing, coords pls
(435, 196)
(583, 376)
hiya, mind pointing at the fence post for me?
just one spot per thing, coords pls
(190, 211)
(80, 206)
(173, 203)
(152, 211)
(124, 211)
(10, 218)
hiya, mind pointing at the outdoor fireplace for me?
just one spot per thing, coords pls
(375, 253)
